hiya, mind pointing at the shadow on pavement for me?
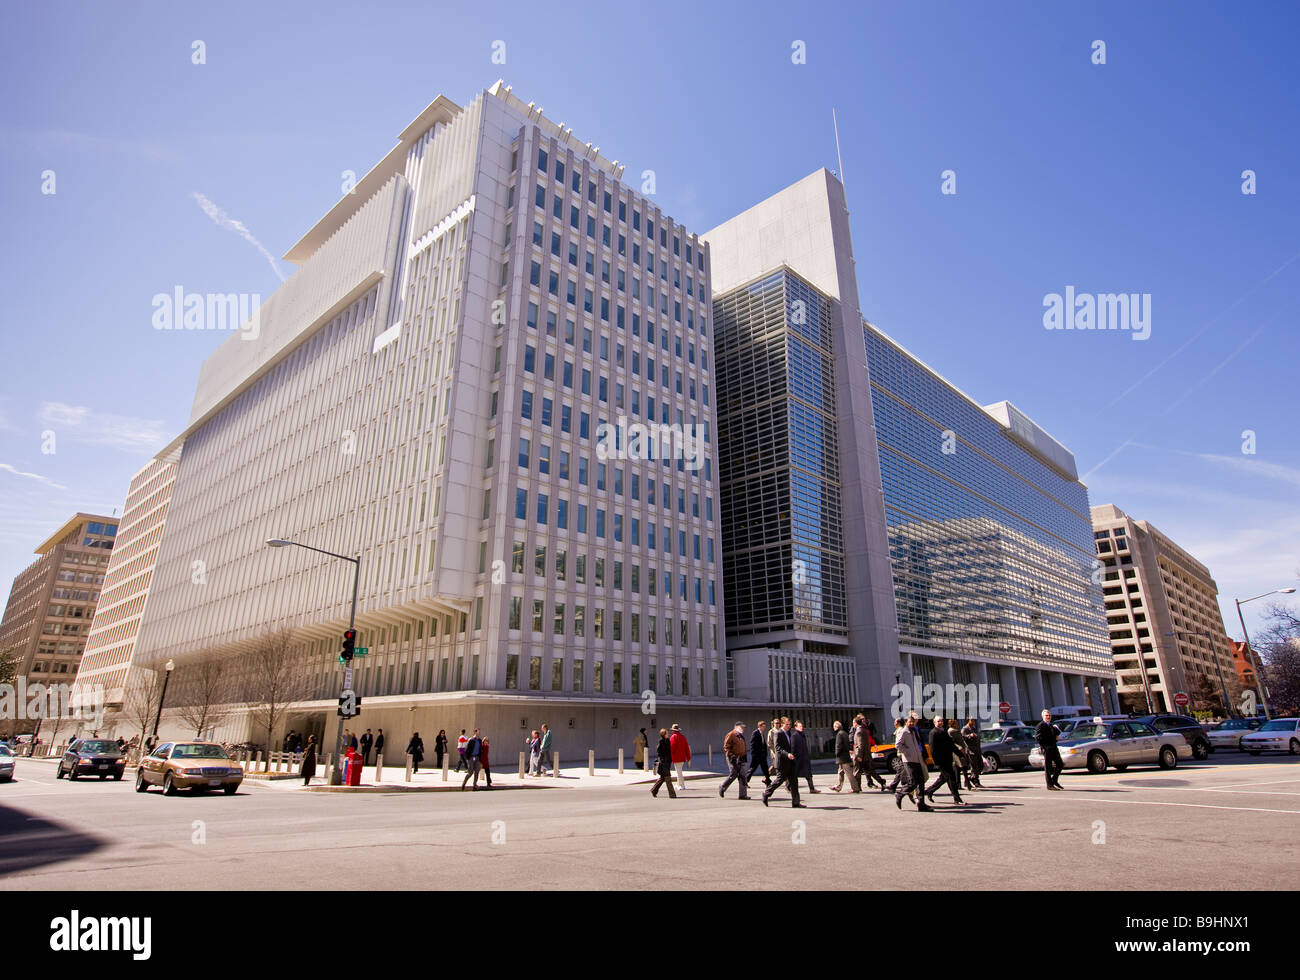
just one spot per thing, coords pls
(28, 842)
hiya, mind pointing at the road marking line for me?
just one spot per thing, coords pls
(1262, 782)
(1203, 806)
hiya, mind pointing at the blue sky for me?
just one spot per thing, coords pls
(1121, 177)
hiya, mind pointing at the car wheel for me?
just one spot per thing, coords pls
(1200, 751)
(117, 777)
(58, 773)
(230, 790)
(103, 776)
(72, 773)
(1168, 757)
(169, 786)
(140, 785)
(991, 762)
(1096, 762)
(1295, 747)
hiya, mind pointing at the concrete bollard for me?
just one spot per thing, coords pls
(555, 770)
(379, 767)
(523, 764)
(710, 756)
(257, 763)
(446, 766)
(409, 762)
(620, 762)
(329, 770)
(591, 762)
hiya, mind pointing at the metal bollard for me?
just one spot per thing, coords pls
(379, 767)
(620, 762)
(591, 762)
(523, 764)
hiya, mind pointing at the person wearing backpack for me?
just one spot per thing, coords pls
(733, 747)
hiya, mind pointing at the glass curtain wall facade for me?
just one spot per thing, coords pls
(990, 542)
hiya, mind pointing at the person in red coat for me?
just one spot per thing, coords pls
(681, 750)
(483, 761)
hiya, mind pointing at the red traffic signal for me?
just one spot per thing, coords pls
(349, 644)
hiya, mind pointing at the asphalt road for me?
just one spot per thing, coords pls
(1232, 823)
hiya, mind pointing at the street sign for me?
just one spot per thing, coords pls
(1004, 707)
(1181, 699)
(349, 704)
(360, 651)
(347, 678)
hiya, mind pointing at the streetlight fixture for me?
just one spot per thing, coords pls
(1209, 636)
(168, 667)
(1259, 678)
(336, 773)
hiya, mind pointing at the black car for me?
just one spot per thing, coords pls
(1189, 728)
(92, 757)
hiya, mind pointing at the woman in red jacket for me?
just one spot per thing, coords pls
(483, 761)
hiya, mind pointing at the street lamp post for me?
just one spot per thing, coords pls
(1259, 678)
(336, 773)
(1209, 636)
(170, 666)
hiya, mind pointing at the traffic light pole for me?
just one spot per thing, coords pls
(336, 774)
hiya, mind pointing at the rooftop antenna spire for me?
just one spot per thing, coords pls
(836, 123)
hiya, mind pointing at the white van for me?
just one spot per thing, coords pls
(1063, 711)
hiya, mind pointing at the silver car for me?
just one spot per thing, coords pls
(1278, 735)
(6, 763)
(1228, 734)
(1007, 747)
(1121, 744)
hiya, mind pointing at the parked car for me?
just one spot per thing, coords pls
(1189, 728)
(1227, 734)
(91, 757)
(197, 766)
(1068, 725)
(1006, 747)
(886, 755)
(6, 763)
(1121, 744)
(1278, 735)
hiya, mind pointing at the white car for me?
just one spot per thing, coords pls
(6, 763)
(1098, 744)
(1278, 735)
(1229, 734)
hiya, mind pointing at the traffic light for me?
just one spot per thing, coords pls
(349, 644)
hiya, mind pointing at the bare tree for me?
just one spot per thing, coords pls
(144, 694)
(1205, 695)
(277, 677)
(205, 689)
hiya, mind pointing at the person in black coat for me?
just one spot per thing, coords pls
(415, 749)
(308, 761)
(941, 751)
(758, 754)
(803, 756)
(440, 745)
(379, 744)
(786, 770)
(664, 765)
(1045, 735)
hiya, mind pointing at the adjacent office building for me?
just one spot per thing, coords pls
(490, 379)
(880, 527)
(1162, 607)
(53, 600)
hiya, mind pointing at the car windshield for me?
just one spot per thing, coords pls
(1090, 730)
(5, 750)
(198, 752)
(1280, 725)
(1233, 724)
(97, 745)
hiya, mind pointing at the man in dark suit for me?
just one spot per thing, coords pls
(1045, 735)
(941, 753)
(379, 744)
(785, 766)
(758, 754)
(365, 747)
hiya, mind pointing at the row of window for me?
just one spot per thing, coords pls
(687, 389)
(615, 525)
(561, 567)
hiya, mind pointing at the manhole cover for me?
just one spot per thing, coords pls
(1154, 783)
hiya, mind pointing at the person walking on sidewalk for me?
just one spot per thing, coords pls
(544, 750)
(308, 761)
(863, 763)
(473, 755)
(758, 754)
(664, 765)
(908, 744)
(1045, 735)
(786, 773)
(844, 759)
(681, 755)
(460, 750)
(533, 745)
(974, 751)
(733, 747)
(941, 751)
(803, 755)
(440, 745)
(639, 754)
(379, 745)
(415, 749)
(959, 752)
(483, 761)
